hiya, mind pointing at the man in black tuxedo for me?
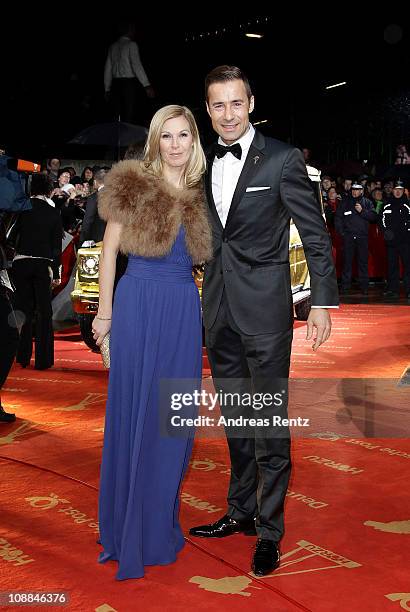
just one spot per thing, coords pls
(254, 186)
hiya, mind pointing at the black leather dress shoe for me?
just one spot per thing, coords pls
(6, 417)
(266, 557)
(390, 294)
(225, 526)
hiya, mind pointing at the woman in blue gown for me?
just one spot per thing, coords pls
(156, 213)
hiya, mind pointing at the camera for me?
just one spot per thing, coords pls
(14, 186)
(13, 200)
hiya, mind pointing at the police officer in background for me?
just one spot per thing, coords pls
(352, 218)
(396, 227)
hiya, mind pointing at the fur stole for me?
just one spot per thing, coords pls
(151, 212)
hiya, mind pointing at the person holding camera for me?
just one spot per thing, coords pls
(35, 270)
(352, 218)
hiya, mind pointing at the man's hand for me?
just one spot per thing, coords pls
(358, 207)
(319, 318)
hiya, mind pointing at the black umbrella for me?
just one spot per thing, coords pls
(116, 134)
(398, 171)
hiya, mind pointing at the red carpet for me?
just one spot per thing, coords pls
(347, 510)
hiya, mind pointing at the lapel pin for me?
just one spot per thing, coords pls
(255, 159)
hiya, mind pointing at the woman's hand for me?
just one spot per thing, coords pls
(100, 329)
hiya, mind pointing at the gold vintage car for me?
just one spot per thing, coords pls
(85, 294)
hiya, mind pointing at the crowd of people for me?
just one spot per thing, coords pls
(363, 208)
(60, 206)
(70, 191)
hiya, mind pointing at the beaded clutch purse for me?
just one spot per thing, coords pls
(105, 351)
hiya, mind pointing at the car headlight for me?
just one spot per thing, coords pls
(90, 265)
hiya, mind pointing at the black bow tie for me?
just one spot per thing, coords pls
(235, 149)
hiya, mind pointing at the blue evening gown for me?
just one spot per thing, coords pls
(156, 334)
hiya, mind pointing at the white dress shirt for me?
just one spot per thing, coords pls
(226, 171)
(123, 62)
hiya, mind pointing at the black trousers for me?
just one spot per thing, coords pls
(8, 334)
(128, 102)
(358, 245)
(395, 252)
(33, 298)
(260, 461)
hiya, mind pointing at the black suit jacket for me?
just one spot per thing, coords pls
(251, 254)
(93, 226)
(39, 233)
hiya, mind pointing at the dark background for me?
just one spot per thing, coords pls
(53, 61)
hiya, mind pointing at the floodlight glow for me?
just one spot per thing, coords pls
(336, 85)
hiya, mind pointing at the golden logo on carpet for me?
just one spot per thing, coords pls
(392, 527)
(20, 431)
(26, 428)
(199, 504)
(46, 502)
(51, 501)
(51, 380)
(310, 556)
(90, 398)
(105, 608)
(330, 436)
(395, 453)
(403, 598)
(310, 501)
(230, 585)
(347, 469)
(207, 465)
(362, 443)
(13, 555)
(392, 452)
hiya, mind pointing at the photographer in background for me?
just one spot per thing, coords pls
(12, 201)
(36, 268)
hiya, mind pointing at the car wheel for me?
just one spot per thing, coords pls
(86, 321)
(302, 309)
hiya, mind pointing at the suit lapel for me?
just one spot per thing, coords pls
(252, 163)
(209, 194)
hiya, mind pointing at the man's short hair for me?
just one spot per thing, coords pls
(224, 73)
(99, 176)
(41, 184)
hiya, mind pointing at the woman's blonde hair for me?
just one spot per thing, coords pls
(152, 159)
